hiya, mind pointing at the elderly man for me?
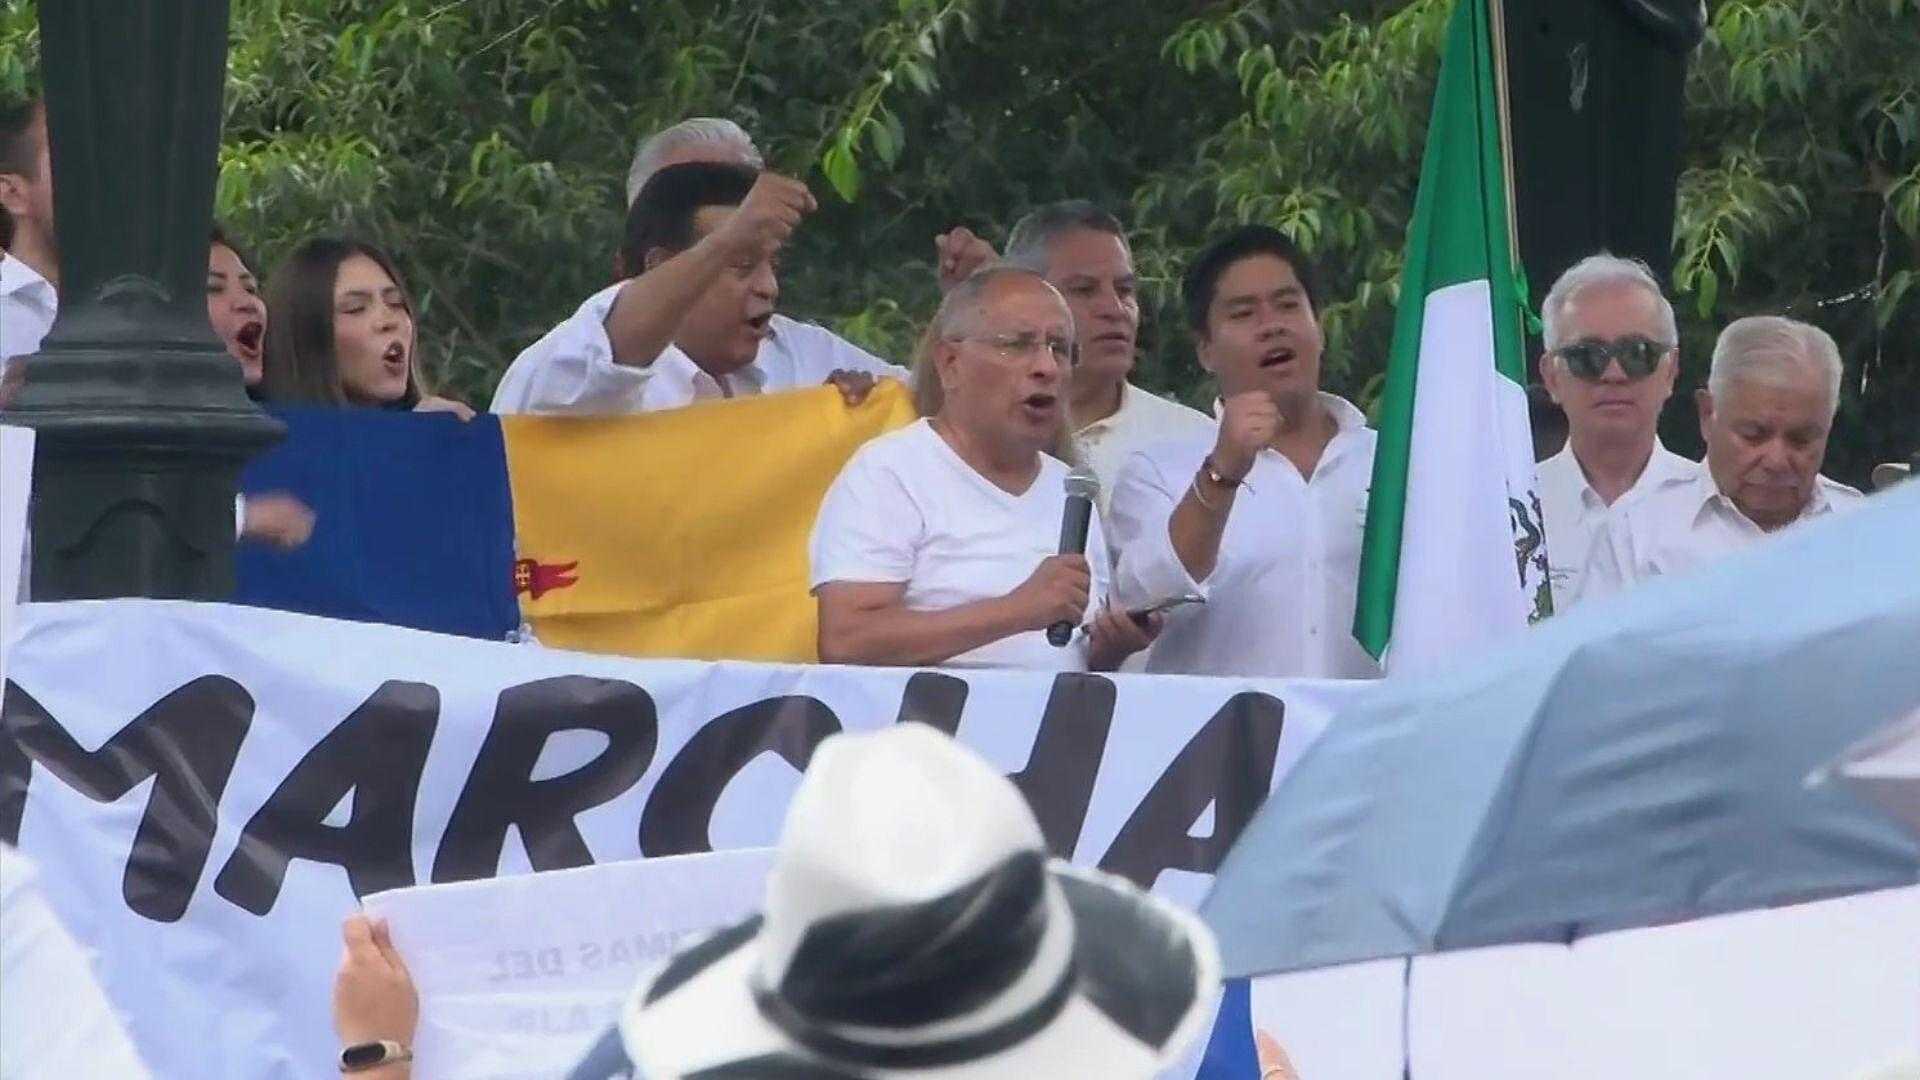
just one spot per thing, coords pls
(30, 262)
(1765, 416)
(1082, 251)
(1610, 361)
(696, 321)
(1263, 516)
(936, 544)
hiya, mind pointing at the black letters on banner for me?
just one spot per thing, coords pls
(187, 740)
(501, 791)
(933, 699)
(1229, 763)
(679, 814)
(377, 753)
(1058, 779)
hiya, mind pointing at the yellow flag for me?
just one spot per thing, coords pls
(683, 533)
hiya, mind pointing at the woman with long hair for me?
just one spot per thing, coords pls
(343, 332)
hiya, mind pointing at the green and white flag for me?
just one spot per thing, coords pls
(1454, 554)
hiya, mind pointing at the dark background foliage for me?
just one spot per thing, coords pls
(486, 143)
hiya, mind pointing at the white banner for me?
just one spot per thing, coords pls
(16, 483)
(208, 788)
(1825, 991)
(519, 975)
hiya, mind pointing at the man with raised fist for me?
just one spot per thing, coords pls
(1262, 517)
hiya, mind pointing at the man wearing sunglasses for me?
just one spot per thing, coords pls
(1765, 415)
(1610, 363)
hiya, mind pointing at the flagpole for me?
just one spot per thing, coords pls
(1497, 15)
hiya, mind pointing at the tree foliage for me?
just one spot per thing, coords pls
(486, 143)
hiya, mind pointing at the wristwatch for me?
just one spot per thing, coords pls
(371, 1055)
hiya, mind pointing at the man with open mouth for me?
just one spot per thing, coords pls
(1261, 516)
(692, 317)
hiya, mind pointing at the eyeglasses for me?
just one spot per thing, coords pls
(1638, 357)
(1026, 344)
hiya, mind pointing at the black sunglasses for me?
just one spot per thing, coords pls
(1638, 357)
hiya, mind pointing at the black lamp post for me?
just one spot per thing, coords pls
(142, 417)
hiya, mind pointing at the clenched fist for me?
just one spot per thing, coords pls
(1057, 591)
(958, 253)
(765, 218)
(1248, 422)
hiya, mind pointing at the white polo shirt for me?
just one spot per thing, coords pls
(1575, 513)
(28, 304)
(1681, 526)
(908, 509)
(572, 371)
(1280, 599)
(1141, 420)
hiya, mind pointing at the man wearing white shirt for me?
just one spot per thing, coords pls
(1765, 416)
(697, 323)
(1610, 361)
(1082, 251)
(937, 542)
(1263, 517)
(30, 264)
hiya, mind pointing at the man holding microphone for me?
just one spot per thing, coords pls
(1262, 517)
(940, 543)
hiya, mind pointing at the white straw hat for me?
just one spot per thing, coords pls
(915, 927)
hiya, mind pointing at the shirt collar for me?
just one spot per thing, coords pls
(1663, 467)
(19, 279)
(1707, 490)
(1129, 398)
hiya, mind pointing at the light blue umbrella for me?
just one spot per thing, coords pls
(1629, 763)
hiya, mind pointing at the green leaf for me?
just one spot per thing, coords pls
(1707, 291)
(841, 169)
(537, 111)
(882, 139)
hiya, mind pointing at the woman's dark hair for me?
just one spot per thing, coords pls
(1203, 276)
(218, 235)
(300, 367)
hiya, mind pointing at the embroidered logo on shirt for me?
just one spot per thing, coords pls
(537, 579)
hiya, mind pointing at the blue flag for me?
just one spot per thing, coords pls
(413, 522)
(1230, 1052)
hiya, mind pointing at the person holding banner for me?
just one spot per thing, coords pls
(937, 543)
(343, 333)
(692, 317)
(1261, 517)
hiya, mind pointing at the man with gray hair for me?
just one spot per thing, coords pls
(1610, 361)
(1082, 251)
(1765, 415)
(702, 138)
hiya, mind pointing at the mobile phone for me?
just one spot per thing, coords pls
(1140, 615)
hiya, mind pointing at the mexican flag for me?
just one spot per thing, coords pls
(1454, 554)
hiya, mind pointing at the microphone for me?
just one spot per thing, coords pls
(1081, 487)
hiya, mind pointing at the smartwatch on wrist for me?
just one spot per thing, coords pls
(371, 1055)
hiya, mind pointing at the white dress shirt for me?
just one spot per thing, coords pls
(1141, 420)
(1281, 596)
(908, 509)
(1575, 513)
(572, 371)
(1681, 526)
(28, 304)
